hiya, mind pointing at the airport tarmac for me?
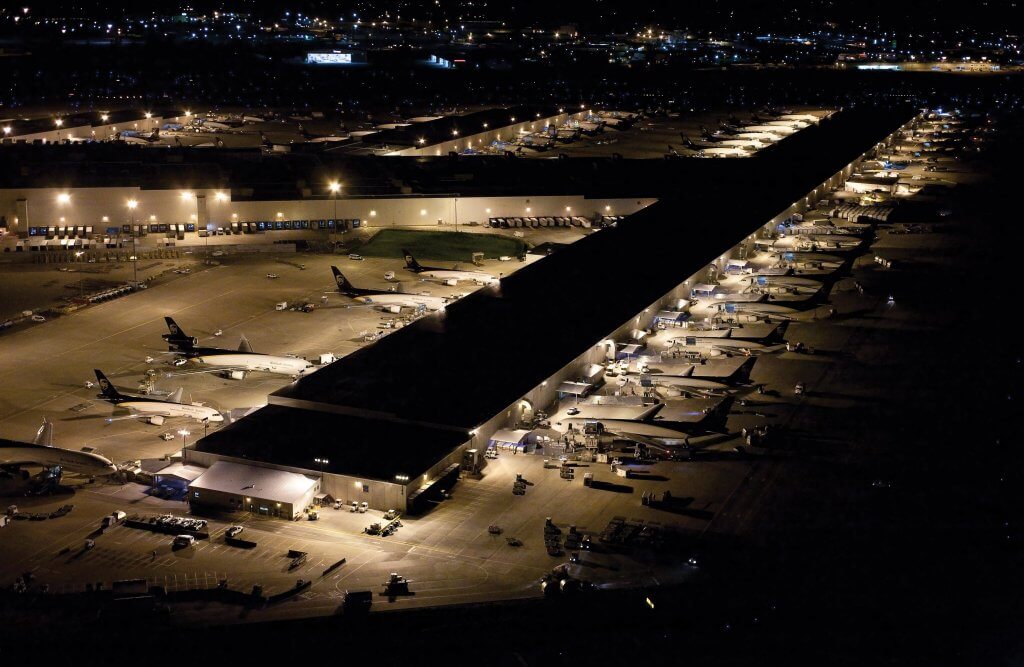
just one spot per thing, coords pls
(50, 362)
(449, 554)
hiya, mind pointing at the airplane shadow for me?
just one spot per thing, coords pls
(647, 477)
(609, 486)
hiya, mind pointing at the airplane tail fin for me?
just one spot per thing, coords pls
(44, 436)
(176, 396)
(108, 389)
(177, 337)
(410, 261)
(244, 346)
(344, 286)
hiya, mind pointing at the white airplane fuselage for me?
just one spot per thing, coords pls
(452, 274)
(168, 409)
(757, 136)
(79, 462)
(772, 129)
(402, 300)
(266, 363)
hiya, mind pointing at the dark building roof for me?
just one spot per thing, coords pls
(459, 368)
(400, 405)
(354, 446)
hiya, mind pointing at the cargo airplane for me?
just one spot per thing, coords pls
(232, 362)
(446, 275)
(386, 299)
(154, 410)
(42, 452)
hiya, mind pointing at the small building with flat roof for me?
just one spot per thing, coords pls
(257, 489)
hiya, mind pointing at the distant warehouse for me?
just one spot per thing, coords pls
(391, 423)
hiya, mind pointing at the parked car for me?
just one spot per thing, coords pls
(355, 257)
(233, 530)
(184, 541)
(38, 318)
(272, 275)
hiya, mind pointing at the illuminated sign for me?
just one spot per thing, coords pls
(328, 58)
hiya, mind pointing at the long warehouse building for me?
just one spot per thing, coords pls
(396, 419)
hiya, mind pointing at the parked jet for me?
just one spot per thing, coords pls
(42, 452)
(737, 134)
(154, 410)
(716, 346)
(243, 360)
(384, 299)
(683, 383)
(710, 420)
(446, 275)
(720, 142)
(782, 130)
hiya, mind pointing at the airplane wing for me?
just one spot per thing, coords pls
(140, 415)
(197, 371)
(642, 439)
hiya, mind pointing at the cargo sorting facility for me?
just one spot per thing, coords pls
(392, 423)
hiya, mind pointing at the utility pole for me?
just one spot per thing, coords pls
(135, 255)
(334, 187)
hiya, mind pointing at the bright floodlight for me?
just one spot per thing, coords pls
(7, 129)
(132, 204)
(104, 117)
(186, 195)
(221, 196)
(63, 198)
(59, 122)
(334, 187)
(149, 115)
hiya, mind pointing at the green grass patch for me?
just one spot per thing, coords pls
(443, 246)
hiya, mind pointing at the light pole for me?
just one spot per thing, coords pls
(184, 434)
(321, 463)
(58, 122)
(132, 204)
(335, 188)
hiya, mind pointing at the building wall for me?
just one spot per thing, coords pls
(108, 207)
(97, 132)
(285, 509)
